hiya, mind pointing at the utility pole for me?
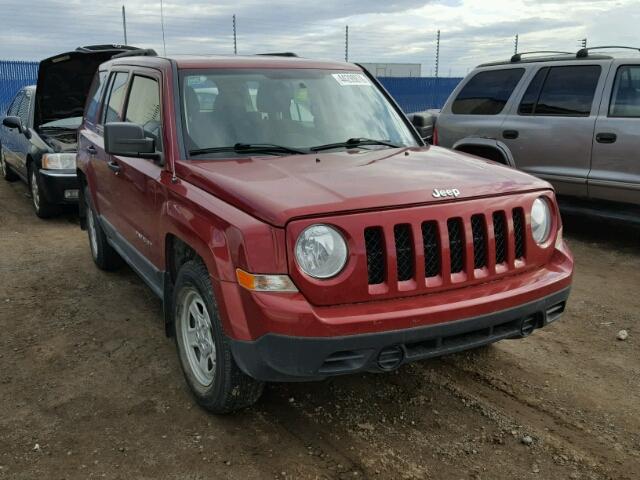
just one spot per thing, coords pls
(437, 52)
(164, 44)
(124, 25)
(515, 50)
(584, 43)
(235, 38)
(346, 43)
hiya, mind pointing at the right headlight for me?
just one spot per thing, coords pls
(321, 251)
(540, 220)
(59, 161)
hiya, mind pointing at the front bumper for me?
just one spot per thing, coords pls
(276, 358)
(58, 185)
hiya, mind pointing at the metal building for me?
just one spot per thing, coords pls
(393, 69)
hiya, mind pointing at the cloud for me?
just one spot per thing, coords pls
(472, 31)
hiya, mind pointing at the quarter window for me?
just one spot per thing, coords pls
(561, 91)
(487, 92)
(23, 109)
(143, 107)
(625, 98)
(15, 105)
(115, 103)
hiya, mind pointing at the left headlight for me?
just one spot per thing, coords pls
(540, 220)
(59, 161)
(321, 251)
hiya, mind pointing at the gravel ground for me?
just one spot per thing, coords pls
(91, 388)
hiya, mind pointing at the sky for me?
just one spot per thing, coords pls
(472, 31)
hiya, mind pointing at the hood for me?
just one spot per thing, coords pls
(64, 81)
(278, 189)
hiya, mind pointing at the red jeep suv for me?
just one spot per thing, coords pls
(296, 226)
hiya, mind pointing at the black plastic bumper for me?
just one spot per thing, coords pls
(54, 184)
(279, 358)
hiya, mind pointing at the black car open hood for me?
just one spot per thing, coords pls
(64, 81)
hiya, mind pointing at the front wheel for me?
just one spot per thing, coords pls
(208, 365)
(41, 205)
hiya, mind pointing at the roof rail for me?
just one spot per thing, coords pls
(278, 54)
(518, 56)
(138, 52)
(584, 52)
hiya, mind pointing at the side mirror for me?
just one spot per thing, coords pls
(424, 123)
(13, 122)
(128, 140)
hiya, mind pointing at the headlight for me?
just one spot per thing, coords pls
(321, 252)
(540, 220)
(59, 161)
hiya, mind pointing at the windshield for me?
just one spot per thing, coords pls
(72, 123)
(292, 108)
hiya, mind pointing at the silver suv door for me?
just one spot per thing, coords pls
(549, 129)
(615, 165)
(476, 108)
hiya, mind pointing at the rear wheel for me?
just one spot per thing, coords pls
(212, 374)
(103, 254)
(41, 206)
(8, 174)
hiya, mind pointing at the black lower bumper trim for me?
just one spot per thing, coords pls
(53, 186)
(279, 358)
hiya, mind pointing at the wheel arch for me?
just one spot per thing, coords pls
(487, 148)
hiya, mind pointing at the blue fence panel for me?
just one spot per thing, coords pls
(13, 76)
(415, 94)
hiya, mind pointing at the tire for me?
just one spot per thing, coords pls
(210, 370)
(8, 174)
(103, 254)
(41, 205)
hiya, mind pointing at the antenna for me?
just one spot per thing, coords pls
(235, 40)
(164, 44)
(346, 43)
(124, 25)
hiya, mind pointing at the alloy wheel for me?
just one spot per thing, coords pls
(197, 337)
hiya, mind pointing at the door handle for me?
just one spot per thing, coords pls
(510, 134)
(91, 150)
(606, 137)
(114, 167)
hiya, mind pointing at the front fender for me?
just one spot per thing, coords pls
(501, 147)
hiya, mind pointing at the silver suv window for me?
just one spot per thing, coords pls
(486, 93)
(625, 98)
(563, 91)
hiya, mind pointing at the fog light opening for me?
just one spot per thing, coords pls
(390, 358)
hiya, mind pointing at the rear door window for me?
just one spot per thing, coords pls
(115, 100)
(143, 106)
(625, 97)
(487, 92)
(561, 91)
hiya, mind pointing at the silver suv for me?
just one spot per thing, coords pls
(571, 119)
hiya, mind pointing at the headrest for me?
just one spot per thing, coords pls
(273, 97)
(192, 101)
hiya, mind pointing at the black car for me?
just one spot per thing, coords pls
(38, 137)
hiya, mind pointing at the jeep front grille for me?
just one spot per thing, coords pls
(470, 245)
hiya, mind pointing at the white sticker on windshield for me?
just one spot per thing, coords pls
(348, 79)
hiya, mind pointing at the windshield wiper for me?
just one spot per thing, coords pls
(353, 142)
(248, 148)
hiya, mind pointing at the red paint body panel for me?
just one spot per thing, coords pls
(246, 213)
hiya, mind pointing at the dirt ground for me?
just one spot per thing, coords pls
(91, 388)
